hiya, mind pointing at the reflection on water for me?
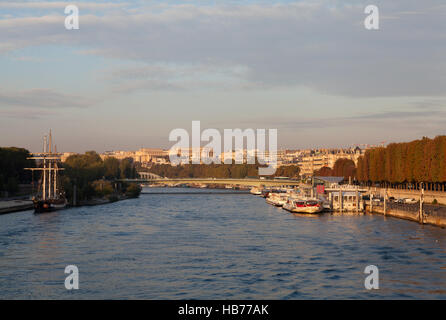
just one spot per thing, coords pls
(216, 246)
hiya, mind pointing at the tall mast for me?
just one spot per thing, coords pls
(50, 144)
(49, 158)
(45, 145)
(55, 174)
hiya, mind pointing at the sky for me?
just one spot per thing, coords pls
(135, 70)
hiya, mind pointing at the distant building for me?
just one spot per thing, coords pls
(65, 155)
(308, 160)
(328, 182)
(143, 155)
(312, 160)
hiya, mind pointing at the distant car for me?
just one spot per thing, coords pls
(410, 201)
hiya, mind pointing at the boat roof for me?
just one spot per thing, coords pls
(349, 193)
(330, 179)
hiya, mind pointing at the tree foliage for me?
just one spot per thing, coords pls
(421, 160)
(89, 173)
(13, 162)
(342, 168)
(235, 171)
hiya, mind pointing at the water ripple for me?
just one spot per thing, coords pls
(216, 247)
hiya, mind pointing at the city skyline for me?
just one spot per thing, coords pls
(251, 153)
(136, 70)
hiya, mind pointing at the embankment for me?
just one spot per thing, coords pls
(432, 214)
(9, 206)
(429, 196)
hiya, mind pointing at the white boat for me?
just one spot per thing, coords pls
(310, 205)
(277, 199)
(256, 191)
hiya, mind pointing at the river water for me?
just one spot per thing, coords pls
(216, 246)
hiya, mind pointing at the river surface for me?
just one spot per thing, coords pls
(216, 246)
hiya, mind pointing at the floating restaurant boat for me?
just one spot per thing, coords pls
(277, 199)
(256, 191)
(265, 193)
(49, 195)
(303, 205)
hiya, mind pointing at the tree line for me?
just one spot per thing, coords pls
(234, 171)
(94, 177)
(417, 161)
(13, 162)
(342, 168)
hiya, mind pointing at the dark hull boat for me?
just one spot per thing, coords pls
(42, 206)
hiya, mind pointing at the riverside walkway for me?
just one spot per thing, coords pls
(7, 206)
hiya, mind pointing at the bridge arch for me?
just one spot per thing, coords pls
(149, 176)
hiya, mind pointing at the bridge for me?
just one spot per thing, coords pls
(149, 175)
(222, 181)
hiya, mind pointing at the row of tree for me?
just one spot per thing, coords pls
(342, 168)
(94, 177)
(13, 162)
(421, 160)
(235, 171)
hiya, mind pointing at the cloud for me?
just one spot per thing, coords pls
(26, 113)
(59, 5)
(40, 99)
(318, 44)
(178, 77)
(416, 114)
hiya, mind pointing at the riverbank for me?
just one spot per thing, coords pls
(101, 201)
(432, 214)
(429, 195)
(8, 206)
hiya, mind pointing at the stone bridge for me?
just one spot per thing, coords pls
(223, 181)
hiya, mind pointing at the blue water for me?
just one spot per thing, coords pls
(218, 246)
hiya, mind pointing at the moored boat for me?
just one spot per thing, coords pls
(41, 206)
(265, 193)
(303, 205)
(277, 199)
(256, 191)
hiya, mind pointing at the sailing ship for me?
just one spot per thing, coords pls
(49, 195)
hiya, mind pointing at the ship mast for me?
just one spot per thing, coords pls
(50, 168)
(45, 146)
